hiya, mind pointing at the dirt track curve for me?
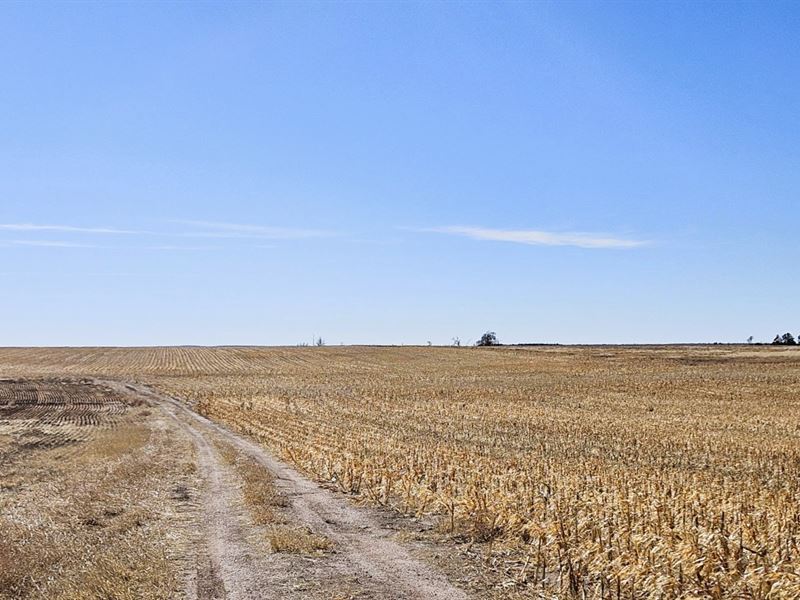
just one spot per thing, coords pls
(233, 562)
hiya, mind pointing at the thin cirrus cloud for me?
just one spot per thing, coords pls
(30, 227)
(49, 244)
(173, 238)
(215, 229)
(535, 237)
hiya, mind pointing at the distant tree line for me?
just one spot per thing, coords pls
(787, 339)
(488, 339)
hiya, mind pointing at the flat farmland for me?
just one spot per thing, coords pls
(87, 488)
(597, 472)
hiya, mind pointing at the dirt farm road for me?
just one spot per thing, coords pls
(234, 562)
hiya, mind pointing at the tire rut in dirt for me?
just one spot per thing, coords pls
(366, 563)
(234, 562)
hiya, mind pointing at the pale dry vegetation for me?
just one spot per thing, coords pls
(667, 472)
(85, 502)
(263, 500)
(267, 506)
(297, 540)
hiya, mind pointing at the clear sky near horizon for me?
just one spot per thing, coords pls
(264, 173)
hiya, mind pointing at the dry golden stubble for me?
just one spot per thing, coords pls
(93, 518)
(611, 472)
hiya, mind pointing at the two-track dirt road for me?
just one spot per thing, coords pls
(233, 559)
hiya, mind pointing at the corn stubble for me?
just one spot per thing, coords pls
(667, 472)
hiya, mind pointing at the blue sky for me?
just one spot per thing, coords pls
(397, 173)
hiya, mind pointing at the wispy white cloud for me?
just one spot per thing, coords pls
(49, 244)
(30, 227)
(174, 239)
(539, 238)
(171, 247)
(213, 229)
(198, 229)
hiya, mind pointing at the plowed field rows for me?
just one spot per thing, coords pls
(52, 413)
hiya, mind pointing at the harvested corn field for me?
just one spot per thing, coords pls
(111, 490)
(604, 472)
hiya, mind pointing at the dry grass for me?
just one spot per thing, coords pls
(263, 500)
(267, 506)
(84, 506)
(574, 472)
(297, 540)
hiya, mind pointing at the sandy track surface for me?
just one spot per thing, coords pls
(235, 563)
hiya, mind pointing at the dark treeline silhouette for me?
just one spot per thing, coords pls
(488, 339)
(787, 339)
